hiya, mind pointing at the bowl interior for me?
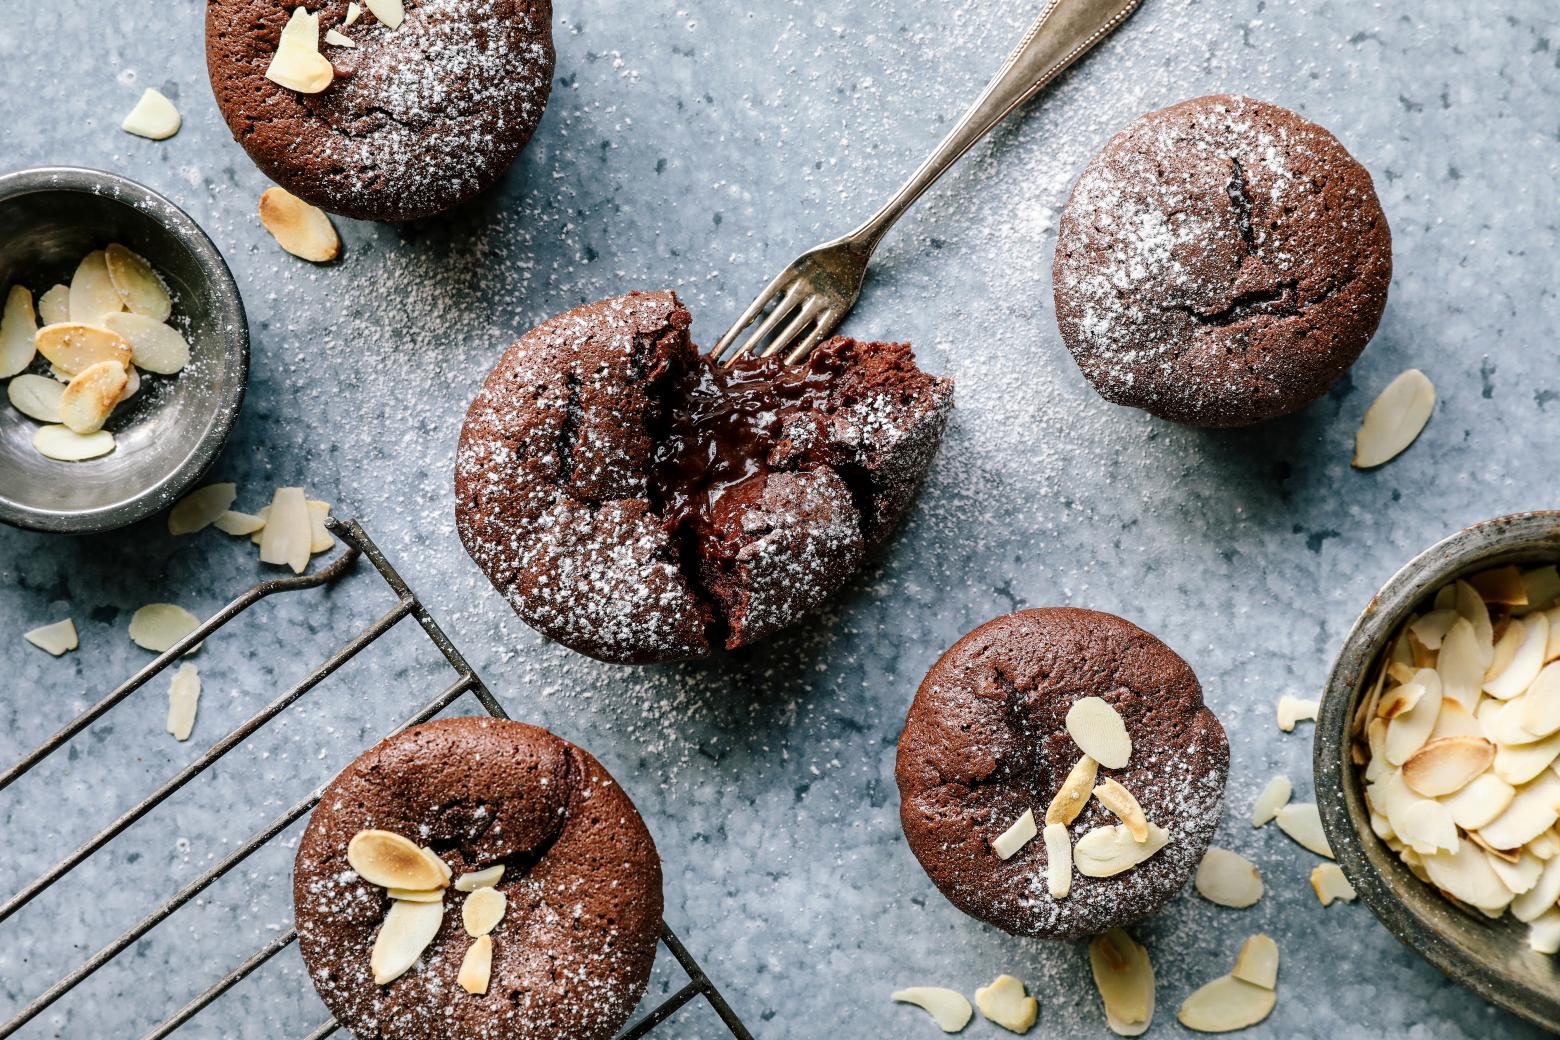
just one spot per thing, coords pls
(1490, 957)
(171, 430)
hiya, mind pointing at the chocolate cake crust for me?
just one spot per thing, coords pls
(1220, 262)
(986, 739)
(572, 954)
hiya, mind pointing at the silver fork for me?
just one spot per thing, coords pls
(808, 300)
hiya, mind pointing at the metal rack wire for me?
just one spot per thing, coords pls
(358, 544)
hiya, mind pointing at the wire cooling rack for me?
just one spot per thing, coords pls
(358, 544)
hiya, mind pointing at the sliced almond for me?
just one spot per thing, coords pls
(1394, 419)
(1454, 720)
(1466, 875)
(1124, 977)
(132, 384)
(476, 967)
(262, 515)
(482, 910)
(1541, 586)
(1494, 854)
(1292, 710)
(1225, 1005)
(417, 895)
(1544, 933)
(407, 930)
(354, 12)
(1471, 605)
(947, 1007)
(1058, 860)
(1302, 822)
(1273, 798)
(1427, 826)
(153, 117)
(1432, 628)
(74, 346)
(37, 397)
(1480, 801)
(63, 444)
(1328, 882)
(1019, 833)
(1460, 664)
(1228, 879)
(1527, 659)
(54, 305)
(92, 293)
(300, 69)
(1007, 1004)
(1520, 876)
(287, 535)
(1408, 732)
(320, 539)
(442, 867)
(1546, 846)
(1400, 699)
(56, 638)
(1502, 585)
(1443, 766)
(1119, 801)
(1074, 792)
(1532, 812)
(389, 12)
(1107, 851)
(200, 508)
(159, 626)
(1257, 961)
(1519, 763)
(338, 39)
(1098, 731)
(229, 522)
(301, 229)
(1502, 722)
(183, 700)
(154, 346)
(1540, 898)
(390, 860)
(18, 332)
(1541, 703)
(480, 879)
(91, 395)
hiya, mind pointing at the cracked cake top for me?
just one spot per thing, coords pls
(1220, 262)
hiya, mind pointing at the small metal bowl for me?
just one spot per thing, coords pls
(1489, 957)
(172, 430)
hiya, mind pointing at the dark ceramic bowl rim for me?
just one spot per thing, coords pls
(227, 306)
(1339, 794)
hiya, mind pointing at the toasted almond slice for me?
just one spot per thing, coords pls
(947, 1007)
(320, 539)
(1225, 1005)
(482, 911)
(1302, 822)
(1058, 860)
(74, 346)
(18, 332)
(1541, 586)
(1403, 671)
(1519, 763)
(1408, 732)
(1074, 792)
(1328, 882)
(200, 508)
(56, 638)
(37, 397)
(1509, 855)
(301, 229)
(1394, 419)
(1292, 710)
(63, 444)
(1098, 731)
(476, 967)
(1541, 898)
(1427, 827)
(1019, 833)
(1466, 875)
(159, 626)
(439, 864)
(1443, 766)
(1502, 722)
(153, 346)
(1519, 876)
(338, 39)
(388, 11)
(183, 700)
(298, 68)
(1273, 797)
(1257, 962)
(1460, 664)
(480, 879)
(54, 305)
(407, 930)
(354, 12)
(1432, 628)
(1527, 659)
(1007, 1004)
(1400, 699)
(417, 895)
(1531, 812)
(1107, 851)
(91, 395)
(229, 522)
(1454, 720)
(1124, 977)
(92, 293)
(1502, 585)
(1119, 801)
(1540, 713)
(1228, 879)
(286, 537)
(390, 860)
(153, 117)
(59, 375)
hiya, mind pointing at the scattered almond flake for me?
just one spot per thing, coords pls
(159, 626)
(229, 522)
(1407, 732)
(407, 930)
(1008, 1004)
(1225, 1005)
(320, 539)
(286, 537)
(1058, 860)
(152, 117)
(35, 396)
(154, 346)
(947, 1007)
(1273, 798)
(1099, 732)
(57, 638)
(297, 63)
(92, 293)
(1302, 822)
(1394, 419)
(263, 514)
(482, 910)
(390, 860)
(140, 288)
(1328, 882)
(337, 39)
(1444, 766)
(1019, 833)
(354, 12)
(301, 229)
(417, 895)
(18, 332)
(480, 879)
(54, 305)
(1074, 792)
(63, 444)
(91, 395)
(1107, 851)
(476, 967)
(183, 700)
(1292, 710)
(389, 12)
(1532, 637)
(74, 346)
(1257, 962)
(1120, 801)
(1228, 879)
(1124, 978)
(201, 508)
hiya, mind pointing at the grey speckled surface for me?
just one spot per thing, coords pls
(698, 146)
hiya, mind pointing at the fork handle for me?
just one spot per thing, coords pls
(1063, 33)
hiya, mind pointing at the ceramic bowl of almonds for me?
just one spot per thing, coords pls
(1437, 759)
(124, 351)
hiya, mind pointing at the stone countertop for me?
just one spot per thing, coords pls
(698, 146)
